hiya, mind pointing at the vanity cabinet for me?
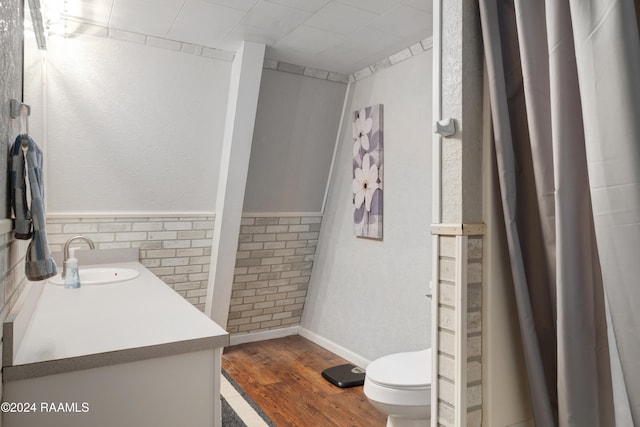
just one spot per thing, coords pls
(133, 353)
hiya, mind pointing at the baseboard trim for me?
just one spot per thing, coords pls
(248, 337)
(336, 349)
(527, 423)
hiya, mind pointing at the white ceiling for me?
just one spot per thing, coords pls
(334, 35)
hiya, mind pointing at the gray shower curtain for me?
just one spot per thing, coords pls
(564, 78)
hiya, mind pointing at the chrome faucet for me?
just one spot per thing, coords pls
(66, 251)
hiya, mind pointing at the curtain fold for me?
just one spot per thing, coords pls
(584, 374)
(562, 74)
(608, 57)
(534, 296)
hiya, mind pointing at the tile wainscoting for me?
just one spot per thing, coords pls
(12, 273)
(13, 280)
(177, 249)
(273, 269)
(273, 262)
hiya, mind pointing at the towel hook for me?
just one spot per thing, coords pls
(16, 110)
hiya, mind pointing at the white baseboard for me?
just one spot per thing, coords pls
(248, 337)
(336, 349)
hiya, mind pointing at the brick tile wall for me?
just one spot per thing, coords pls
(12, 275)
(273, 268)
(176, 249)
(273, 262)
(449, 357)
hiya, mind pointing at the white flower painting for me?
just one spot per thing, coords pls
(367, 131)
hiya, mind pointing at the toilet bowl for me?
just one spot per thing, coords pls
(399, 385)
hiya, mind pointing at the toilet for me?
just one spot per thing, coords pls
(399, 385)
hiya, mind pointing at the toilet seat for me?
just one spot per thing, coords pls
(404, 371)
(400, 384)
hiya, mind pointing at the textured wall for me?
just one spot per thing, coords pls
(356, 281)
(10, 85)
(462, 84)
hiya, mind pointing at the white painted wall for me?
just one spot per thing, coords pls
(293, 142)
(368, 296)
(132, 127)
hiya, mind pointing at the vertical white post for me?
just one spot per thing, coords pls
(242, 103)
(457, 210)
(436, 215)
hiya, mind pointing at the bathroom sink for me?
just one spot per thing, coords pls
(100, 276)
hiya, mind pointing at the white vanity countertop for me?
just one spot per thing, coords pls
(100, 325)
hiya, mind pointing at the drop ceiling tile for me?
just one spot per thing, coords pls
(376, 6)
(53, 7)
(340, 18)
(204, 23)
(365, 42)
(275, 17)
(133, 15)
(405, 21)
(308, 5)
(309, 40)
(333, 35)
(235, 4)
(93, 12)
(359, 50)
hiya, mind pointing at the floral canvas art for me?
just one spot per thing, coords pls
(367, 133)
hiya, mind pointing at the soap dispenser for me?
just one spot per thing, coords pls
(72, 280)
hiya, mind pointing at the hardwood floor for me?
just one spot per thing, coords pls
(283, 376)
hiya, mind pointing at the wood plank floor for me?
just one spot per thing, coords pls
(283, 376)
